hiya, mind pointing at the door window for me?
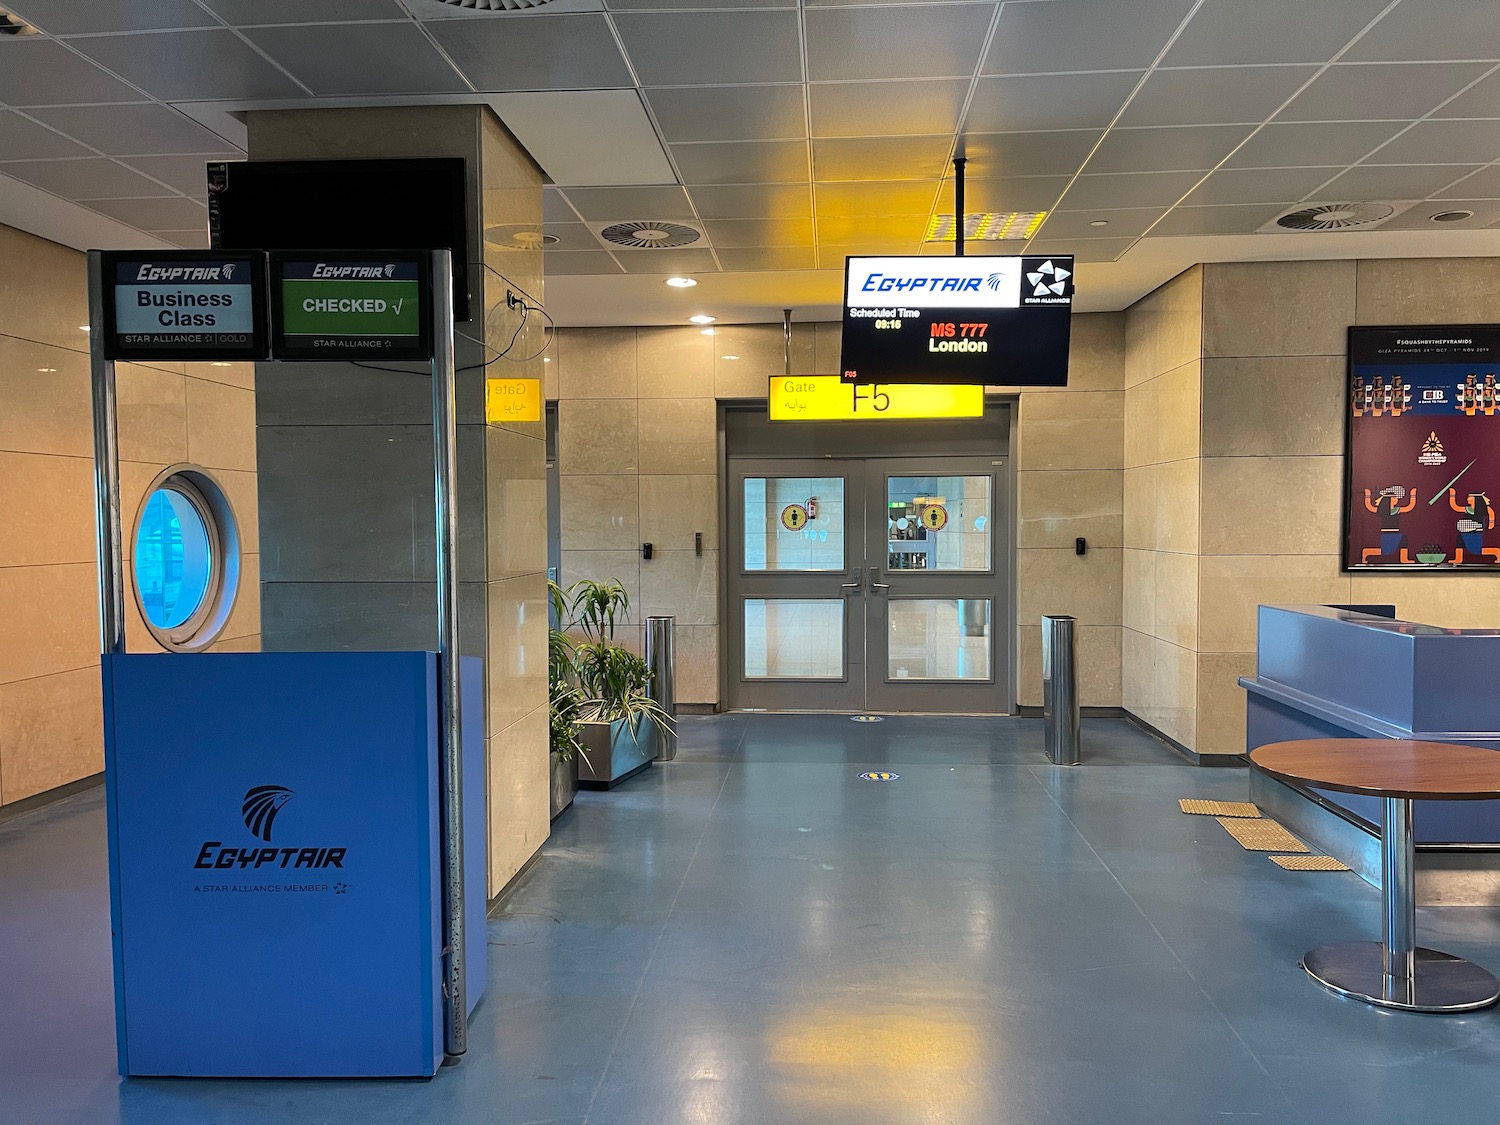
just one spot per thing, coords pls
(794, 524)
(939, 639)
(938, 523)
(794, 638)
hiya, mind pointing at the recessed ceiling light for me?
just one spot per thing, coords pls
(729, 357)
(682, 282)
(1099, 223)
(83, 328)
(218, 363)
(546, 359)
(1450, 216)
(986, 226)
(710, 331)
(703, 318)
(46, 370)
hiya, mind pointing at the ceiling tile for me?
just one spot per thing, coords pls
(555, 207)
(668, 261)
(672, 5)
(1304, 146)
(904, 197)
(777, 258)
(1083, 249)
(122, 130)
(598, 205)
(373, 58)
(186, 239)
(69, 17)
(173, 213)
(535, 52)
(880, 158)
(754, 201)
(85, 179)
(1214, 95)
(187, 174)
(831, 255)
(1077, 35)
(190, 65)
(997, 155)
(886, 109)
(36, 71)
(1390, 92)
(242, 12)
(1432, 29)
(21, 139)
(1048, 101)
(1123, 222)
(923, 41)
(1480, 100)
(1394, 181)
(1259, 185)
(742, 234)
(1442, 142)
(712, 48)
(1001, 247)
(1419, 217)
(1017, 193)
(570, 236)
(838, 230)
(729, 113)
(1167, 149)
(743, 162)
(1140, 189)
(560, 263)
(1270, 31)
(1483, 184)
(1244, 218)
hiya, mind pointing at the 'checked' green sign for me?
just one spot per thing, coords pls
(345, 309)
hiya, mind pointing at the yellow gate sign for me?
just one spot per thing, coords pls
(512, 400)
(827, 398)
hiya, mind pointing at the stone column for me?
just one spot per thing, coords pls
(346, 517)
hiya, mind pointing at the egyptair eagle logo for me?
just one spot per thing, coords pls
(262, 803)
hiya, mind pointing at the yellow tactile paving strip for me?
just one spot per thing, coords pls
(1309, 863)
(1218, 808)
(1262, 836)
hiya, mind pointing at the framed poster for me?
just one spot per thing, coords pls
(1422, 464)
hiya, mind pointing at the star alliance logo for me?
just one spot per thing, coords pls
(262, 803)
(1048, 279)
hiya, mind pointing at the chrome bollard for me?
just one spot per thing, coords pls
(1060, 712)
(661, 659)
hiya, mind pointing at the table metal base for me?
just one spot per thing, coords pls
(1441, 982)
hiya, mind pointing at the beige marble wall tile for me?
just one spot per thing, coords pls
(1428, 291)
(1233, 586)
(1277, 308)
(51, 732)
(739, 379)
(46, 509)
(244, 618)
(1140, 507)
(1451, 601)
(551, 384)
(827, 340)
(1138, 594)
(516, 503)
(220, 425)
(761, 349)
(600, 513)
(1099, 665)
(519, 809)
(240, 375)
(1221, 701)
(1176, 604)
(679, 436)
(1273, 407)
(153, 414)
(697, 663)
(1096, 352)
(242, 491)
(517, 665)
(805, 349)
(1272, 505)
(45, 395)
(48, 620)
(1177, 500)
(1058, 581)
(596, 363)
(682, 585)
(601, 566)
(1164, 329)
(1138, 673)
(676, 362)
(1142, 421)
(1176, 705)
(1055, 507)
(1072, 431)
(43, 290)
(674, 507)
(1179, 410)
(596, 436)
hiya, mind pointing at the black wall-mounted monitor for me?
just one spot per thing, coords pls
(327, 205)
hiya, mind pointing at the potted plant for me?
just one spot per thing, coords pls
(564, 705)
(619, 721)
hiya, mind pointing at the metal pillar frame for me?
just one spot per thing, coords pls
(445, 490)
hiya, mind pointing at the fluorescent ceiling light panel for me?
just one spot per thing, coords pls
(587, 138)
(986, 226)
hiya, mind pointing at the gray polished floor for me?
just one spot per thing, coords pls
(751, 935)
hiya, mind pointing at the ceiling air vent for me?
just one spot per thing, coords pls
(496, 5)
(649, 235)
(1316, 217)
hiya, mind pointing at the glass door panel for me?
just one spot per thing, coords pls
(939, 523)
(794, 638)
(793, 523)
(939, 639)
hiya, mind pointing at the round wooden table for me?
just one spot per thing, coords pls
(1394, 972)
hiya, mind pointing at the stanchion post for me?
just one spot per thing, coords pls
(106, 469)
(661, 659)
(1060, 711)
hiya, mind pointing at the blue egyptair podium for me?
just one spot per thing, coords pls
(274, 862)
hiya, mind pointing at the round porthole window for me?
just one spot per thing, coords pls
(185, 559)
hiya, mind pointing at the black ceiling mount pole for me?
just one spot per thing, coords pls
(960, 220)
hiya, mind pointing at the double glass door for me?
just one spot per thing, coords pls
(869, 584)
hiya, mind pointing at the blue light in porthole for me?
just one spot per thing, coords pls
(173, 559)
(979, 522)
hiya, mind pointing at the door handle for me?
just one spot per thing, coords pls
(880, 585)
(856, 584)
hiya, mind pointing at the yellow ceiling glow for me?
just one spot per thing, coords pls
(986, 226)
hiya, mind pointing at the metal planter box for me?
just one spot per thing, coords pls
(611, 752)
(564, 785)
